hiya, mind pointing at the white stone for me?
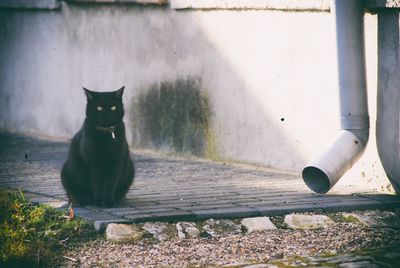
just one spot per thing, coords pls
(216, 228)
(261, 265)
(257, 224)
(375, 218)
(158, 229)
(123, 232)
(187, 230)
(303, 222)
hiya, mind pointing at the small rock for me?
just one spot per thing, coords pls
(100, 225)
(123, 233)
(353, 217)
(216, 228)
(158, 229)
(375, 218)
(261, 265)
(257, 224)
(304, 222)
(187, 230)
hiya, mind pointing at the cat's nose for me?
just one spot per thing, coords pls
(109, 119)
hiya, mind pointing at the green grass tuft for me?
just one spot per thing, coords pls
(36, 235)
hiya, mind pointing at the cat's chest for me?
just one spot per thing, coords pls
(103, 151)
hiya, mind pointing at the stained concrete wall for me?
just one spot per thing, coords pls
(270, 76)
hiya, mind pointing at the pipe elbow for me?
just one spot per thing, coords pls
(362, 135)
(323, 173)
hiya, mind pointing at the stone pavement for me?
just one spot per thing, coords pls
(173, 189)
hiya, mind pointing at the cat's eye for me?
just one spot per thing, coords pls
(113, 108)
(99, 108)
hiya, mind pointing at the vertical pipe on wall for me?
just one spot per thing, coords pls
(323, 173)
(388, 103)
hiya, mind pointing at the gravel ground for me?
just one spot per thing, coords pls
(232, 249)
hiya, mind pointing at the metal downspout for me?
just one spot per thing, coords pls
(323, 173)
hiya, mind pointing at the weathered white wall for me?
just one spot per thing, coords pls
(270, 75)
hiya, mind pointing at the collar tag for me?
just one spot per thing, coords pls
(112, 132)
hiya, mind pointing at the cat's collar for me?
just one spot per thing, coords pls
(110, 130)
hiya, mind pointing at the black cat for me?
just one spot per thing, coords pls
(99, 170)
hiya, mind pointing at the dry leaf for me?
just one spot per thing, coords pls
(71, 212)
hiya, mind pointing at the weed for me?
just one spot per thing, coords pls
(36, 235)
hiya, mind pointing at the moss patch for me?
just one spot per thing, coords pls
(36, 235)
(174, 116)
(350, 219)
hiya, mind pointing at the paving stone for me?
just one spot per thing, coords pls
(97, 216)
(121, 213)
(118, 209)
(206, 207)
(304, 222)
(176, 205)
(123, 233)
(221, 213)
(381, 197)
(158, 210)
(271, 210)
(360, 204)
(137, 218)
(93, 215)
(257, 224)
(174, 216)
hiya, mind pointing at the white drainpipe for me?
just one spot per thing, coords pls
(323, 173)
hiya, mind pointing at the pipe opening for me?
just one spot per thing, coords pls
(316, 179)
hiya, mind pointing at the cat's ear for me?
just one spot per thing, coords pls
(89, 94)
(119, 92)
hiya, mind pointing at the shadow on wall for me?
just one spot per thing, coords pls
(173, 116)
